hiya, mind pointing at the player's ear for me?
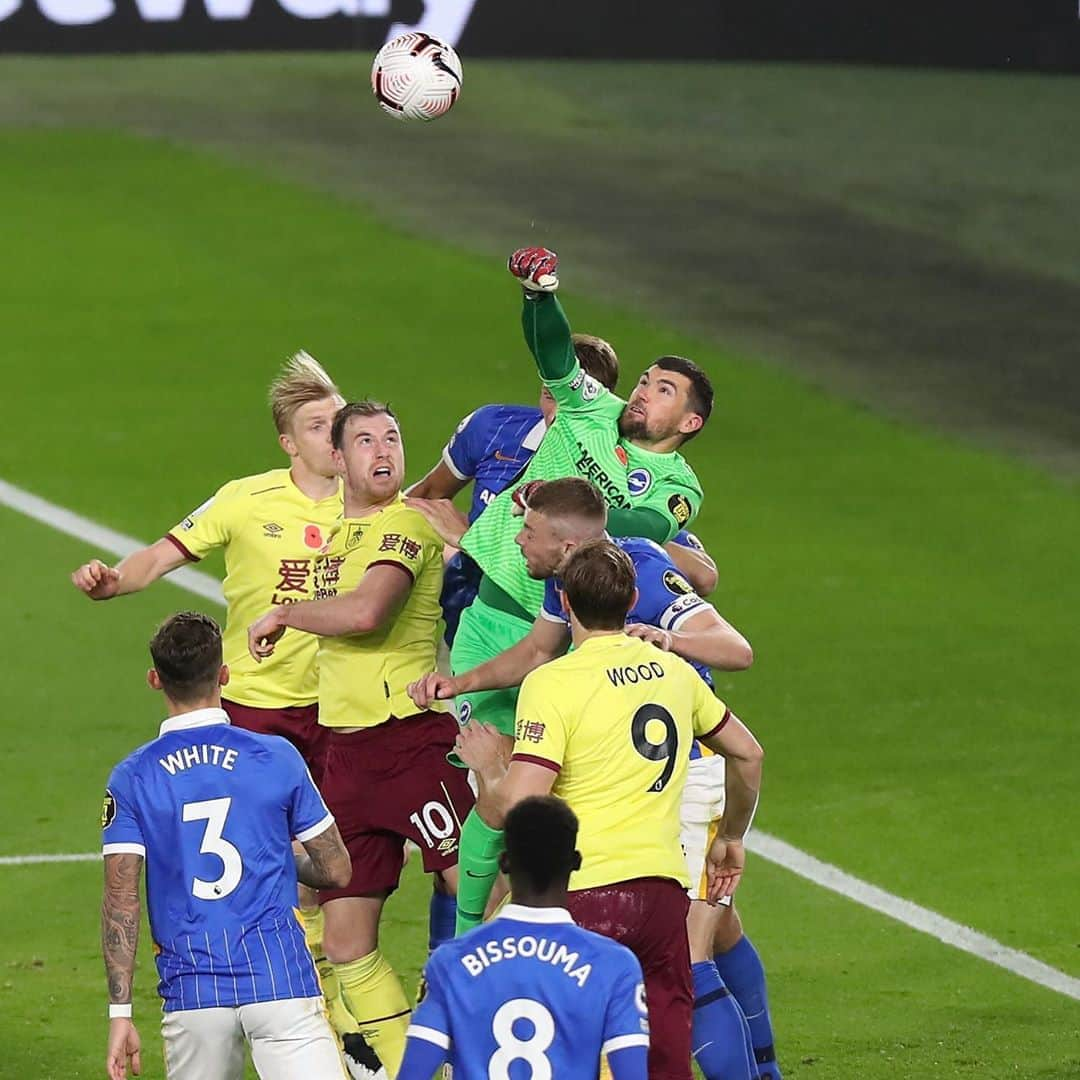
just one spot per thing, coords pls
(575, 862)
(153, 679)
(339, 460)
(286, 444)
(504, 863)
(224, 675)
(633, 603)
(690, 423)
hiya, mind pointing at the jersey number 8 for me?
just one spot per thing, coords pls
(512, 1048)
(667, 750)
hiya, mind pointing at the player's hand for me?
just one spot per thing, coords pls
(444, 517)
(536, 268)
(724, 866)
(521, 496)
(652, 634)
(124, 1044)
(265, 634)
(98, 581)
(433, 687)
(483, 749)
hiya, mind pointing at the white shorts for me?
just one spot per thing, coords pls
(702, 807)
(288, 1039)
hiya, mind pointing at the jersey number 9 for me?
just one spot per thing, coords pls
(667, 750)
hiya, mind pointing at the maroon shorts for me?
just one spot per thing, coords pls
(389, 784)
(297, 723)
(648, 916)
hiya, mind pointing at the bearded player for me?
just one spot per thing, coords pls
(386, 780)
(270, 526)
(630, 450)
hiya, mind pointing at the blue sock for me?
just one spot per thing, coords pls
(719, 1041)
(744, 976)
(442, 916)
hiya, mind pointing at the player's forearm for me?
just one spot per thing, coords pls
(742, 785)
(696, 566)
(547, 333)
(507, 669)
(120, 924)
(720, 646)
(640, 522)
(324, 862)
(144, 567)
(353, 613)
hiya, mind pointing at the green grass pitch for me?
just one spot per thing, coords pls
(911, 599)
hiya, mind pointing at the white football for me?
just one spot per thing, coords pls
(416, 77)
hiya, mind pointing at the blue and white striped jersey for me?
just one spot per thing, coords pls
(212, 809)
(529, 994)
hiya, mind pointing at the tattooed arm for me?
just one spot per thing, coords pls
(119, 941)
(324, 862)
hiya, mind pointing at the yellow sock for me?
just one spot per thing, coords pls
(337, 1012)
(373, 994)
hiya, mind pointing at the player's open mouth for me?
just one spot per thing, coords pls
(635, 410)
(383, 472)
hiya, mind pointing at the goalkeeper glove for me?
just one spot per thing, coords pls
(536, 268)
(521, 496)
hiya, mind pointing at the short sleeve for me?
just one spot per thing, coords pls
(308, 815)
(121, 831)
(710, 713)
(404, 540)
(672, 597)
(685, 538)
(552, 609)
(207, 527)
(540, 728)
(463, 452)
(626, 1020)
(431, 1018)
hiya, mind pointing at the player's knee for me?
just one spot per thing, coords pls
(347, 939)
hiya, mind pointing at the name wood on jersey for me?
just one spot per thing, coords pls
(635, 673)
(529, 947)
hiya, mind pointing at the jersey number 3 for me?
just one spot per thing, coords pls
(214, 812)
(667, 750)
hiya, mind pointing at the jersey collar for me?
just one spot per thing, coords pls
(195, 718)
(521, 913)
(535, 437)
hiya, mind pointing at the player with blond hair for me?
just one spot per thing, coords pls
(270, 526)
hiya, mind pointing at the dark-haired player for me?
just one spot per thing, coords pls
(608, 727)
(211, 810)
(530, 987)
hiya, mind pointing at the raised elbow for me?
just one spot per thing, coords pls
(707, 580)
(744, 656)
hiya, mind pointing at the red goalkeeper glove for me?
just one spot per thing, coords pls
(522, 495)
(536, 268)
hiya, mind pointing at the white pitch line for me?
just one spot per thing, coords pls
(102, 538)
(910, 914)
(768, 847)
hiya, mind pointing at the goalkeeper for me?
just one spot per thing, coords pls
(629, 450)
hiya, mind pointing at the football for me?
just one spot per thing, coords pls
(416, 77)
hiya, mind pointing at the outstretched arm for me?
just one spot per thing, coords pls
(134, 572)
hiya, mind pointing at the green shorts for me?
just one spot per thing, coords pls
(484, 632)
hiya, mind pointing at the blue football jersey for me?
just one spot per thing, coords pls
(213, 810)
(491, 446)
(665, 598)
(531, 994)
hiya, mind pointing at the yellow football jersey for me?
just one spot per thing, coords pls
(363, 677)
(271, 532)
(615, 719)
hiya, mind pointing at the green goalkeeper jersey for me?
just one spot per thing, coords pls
(583, 441)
